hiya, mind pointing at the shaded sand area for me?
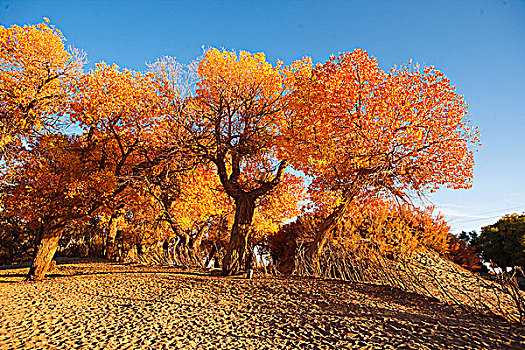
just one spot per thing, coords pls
(100, 305)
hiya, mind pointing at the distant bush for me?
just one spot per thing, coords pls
(464, 254)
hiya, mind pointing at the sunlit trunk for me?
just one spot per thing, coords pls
(111, 246)
(211, 255)
(45, 251)
(195, 247)
(234, 259)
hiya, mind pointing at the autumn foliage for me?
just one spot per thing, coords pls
(361, 132)
(394, 231)
(201, 162)
(36, 72)
(464, 254)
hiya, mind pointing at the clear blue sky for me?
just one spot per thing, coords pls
(479, 44)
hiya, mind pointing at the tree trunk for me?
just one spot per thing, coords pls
(44, 254)
(175, 251)
(195, 246)
(313, 254)
(211, 255)
(233, 260)
(111, 248)
(140, 250)
(249, 261)
(244, 206)
(185, 250)
(181, 250)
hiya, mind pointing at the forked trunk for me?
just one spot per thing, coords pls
(45, 251)
(234, 258)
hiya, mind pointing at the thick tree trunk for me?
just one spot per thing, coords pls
(45, 251)
(235, 255)
(244, 207)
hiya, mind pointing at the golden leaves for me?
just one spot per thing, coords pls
(346, 123)
(405, 125)
(35, 73)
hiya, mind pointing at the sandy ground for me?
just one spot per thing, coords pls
(111, 306)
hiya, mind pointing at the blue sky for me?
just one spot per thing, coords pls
(480, 45)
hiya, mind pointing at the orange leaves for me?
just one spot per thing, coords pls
(241, 86)
(395, 229)
(279, 206)
(35, 73)
(71, 176)
(115, 100)
(405, 129)
(238, 101)
(226, 75)
(118, 110)
(236, 115)
(346, 123)
(51, 181)
(201, 198)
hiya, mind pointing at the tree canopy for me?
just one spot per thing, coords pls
(210, 159)
(36, 72)
(360, 132)
(503, 243)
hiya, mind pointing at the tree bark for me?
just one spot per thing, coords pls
(249, 261)
(244, 208)
(140, 250)
(313, 254)
(195, 246)
(175, 258)
(111, 248)
(44, 254)
(211, 255)
(185, 250)
(235, 255)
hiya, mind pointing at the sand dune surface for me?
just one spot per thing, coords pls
(100, 305)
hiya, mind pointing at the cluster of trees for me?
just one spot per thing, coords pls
(214, 154)
(501, 244)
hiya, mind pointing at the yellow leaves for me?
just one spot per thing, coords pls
(201, 197)
(395, 229)
(237, 79)
(346, 123)
(124, 102)
(34, 78)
